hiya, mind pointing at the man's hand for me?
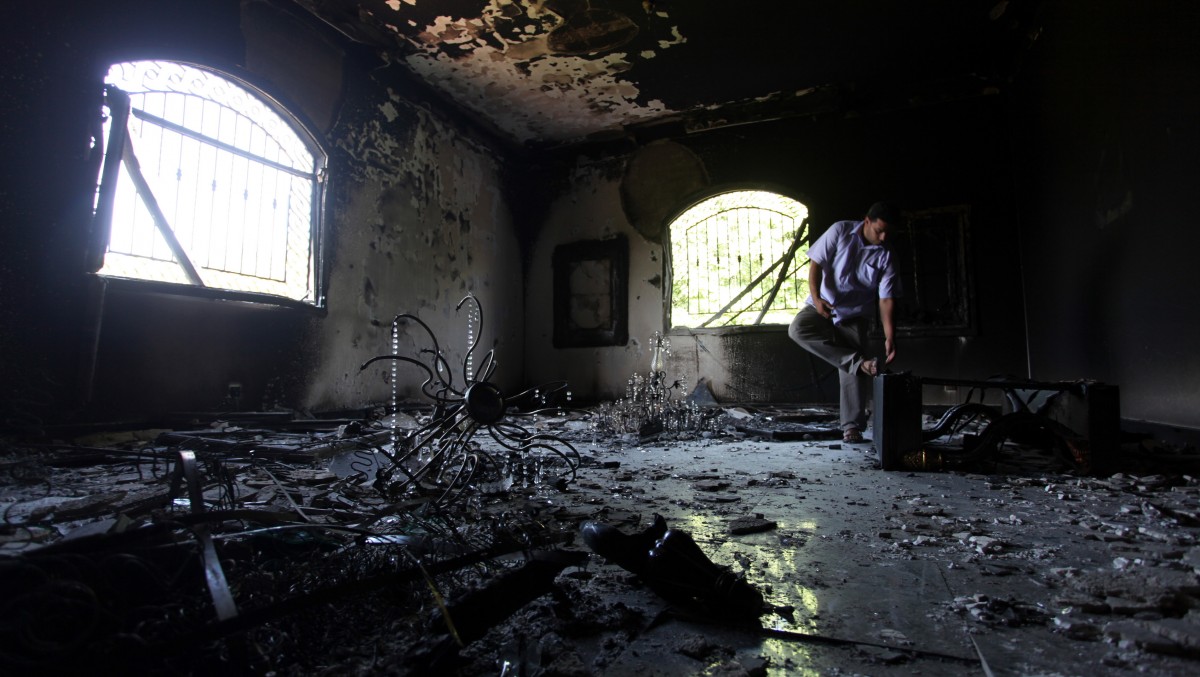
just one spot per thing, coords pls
(887, 309)
(824, 309)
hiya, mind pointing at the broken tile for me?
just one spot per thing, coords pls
(1142, 635)
(1077, 629)
(750, 525)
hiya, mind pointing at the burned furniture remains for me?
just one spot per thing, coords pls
(440, 461)
(1081, 419)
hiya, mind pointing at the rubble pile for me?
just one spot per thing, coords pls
(176, 552)
(264, 545)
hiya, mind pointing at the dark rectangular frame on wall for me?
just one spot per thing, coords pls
(932, 255)
(591, 293)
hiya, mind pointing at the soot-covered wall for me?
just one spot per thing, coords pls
(417, 218)
(952, 153)
(1108, 161)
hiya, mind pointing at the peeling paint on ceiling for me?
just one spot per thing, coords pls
(556, 100)
(536, 73)
(554, 72)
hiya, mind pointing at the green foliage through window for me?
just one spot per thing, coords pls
(739, 258)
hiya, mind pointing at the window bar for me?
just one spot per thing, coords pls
(287, 230)
(202, 138)
(733, 318)
(216, 241)
(177, 216)
(726, 255)
(229, 262)
(143, 190)
(265, 235)
(220, 221)
(268, 206)
(746, 244)
(247, 244)
(708, 261)
(118, 107)
(315, 261)
(95, 163)
(783, 271)
(696, 271)
(159, 161)
(740, 294)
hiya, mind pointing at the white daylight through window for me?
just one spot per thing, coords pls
(739, 258)
(216, 187)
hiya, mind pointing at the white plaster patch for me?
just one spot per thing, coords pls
(560, 98)
(389, 111)
(526, 91)
(677, 38)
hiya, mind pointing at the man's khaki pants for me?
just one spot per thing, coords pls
(841, 345)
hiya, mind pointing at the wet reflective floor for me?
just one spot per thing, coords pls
(1022, 570)
(893, 573)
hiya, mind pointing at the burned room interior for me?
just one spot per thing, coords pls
(413, 337)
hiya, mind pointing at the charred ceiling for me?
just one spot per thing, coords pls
(546, 73)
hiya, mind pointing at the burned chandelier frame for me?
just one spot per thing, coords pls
(440, 460)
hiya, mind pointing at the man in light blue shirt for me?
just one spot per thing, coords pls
(850, 271)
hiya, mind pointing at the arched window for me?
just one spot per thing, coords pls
(207, 182)
(739, 258)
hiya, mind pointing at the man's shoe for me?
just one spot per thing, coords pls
(630, 552)
(852, 436)
(674, 566)
(678, 570)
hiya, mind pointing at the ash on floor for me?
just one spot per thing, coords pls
(1023, 569)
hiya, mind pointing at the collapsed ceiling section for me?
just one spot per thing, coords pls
(555, 72)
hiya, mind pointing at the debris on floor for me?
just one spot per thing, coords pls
(267, 544)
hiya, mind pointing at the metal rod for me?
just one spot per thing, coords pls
(1026, 385)
(179, 129)
(742, 293)
(118, 107)
(160, 219)
(783, 270)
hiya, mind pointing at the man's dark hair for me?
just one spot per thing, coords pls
(886, 211)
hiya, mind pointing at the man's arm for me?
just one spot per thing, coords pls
(824, 308)
(887, 308)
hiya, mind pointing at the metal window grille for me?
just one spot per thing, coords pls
(216, 189)
(738, 259)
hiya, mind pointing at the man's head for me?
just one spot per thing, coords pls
(880, 219)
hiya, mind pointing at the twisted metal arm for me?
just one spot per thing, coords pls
(440, 459)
